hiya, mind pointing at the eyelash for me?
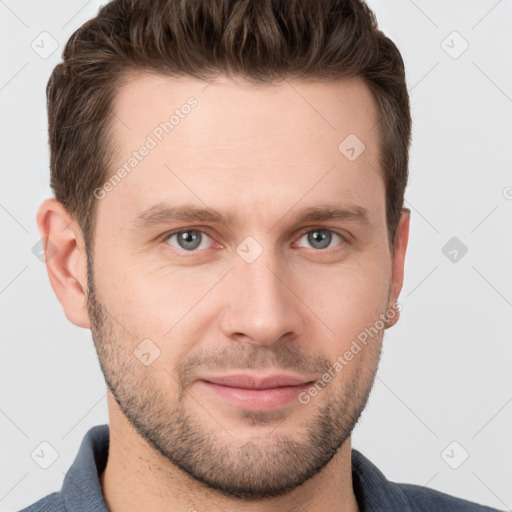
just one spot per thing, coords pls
(344, 238)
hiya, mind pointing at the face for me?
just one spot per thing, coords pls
(235, 263)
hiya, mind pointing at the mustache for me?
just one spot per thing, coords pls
(284, 356)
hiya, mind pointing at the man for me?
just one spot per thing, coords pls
(228, 221)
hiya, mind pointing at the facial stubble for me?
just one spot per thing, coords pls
(262, 467)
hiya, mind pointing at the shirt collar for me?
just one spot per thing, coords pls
(374, 492)
(81, 489)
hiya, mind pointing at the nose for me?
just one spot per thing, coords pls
(261, 306)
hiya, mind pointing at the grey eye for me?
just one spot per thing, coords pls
(320, 238)
(188, 240)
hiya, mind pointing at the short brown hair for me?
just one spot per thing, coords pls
(263, 41)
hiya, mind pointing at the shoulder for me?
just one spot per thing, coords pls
(81, 488)
(50, 503)
(374, 492)
(426, 499)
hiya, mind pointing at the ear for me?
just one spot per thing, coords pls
(66, 260)
(397, 272)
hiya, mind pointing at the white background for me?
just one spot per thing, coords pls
(445, 373)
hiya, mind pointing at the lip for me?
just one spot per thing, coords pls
(245, 381)
(255, 393)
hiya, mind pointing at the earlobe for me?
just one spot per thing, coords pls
(66, 260)
(397, 277)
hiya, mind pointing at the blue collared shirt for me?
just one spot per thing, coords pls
(81, 489)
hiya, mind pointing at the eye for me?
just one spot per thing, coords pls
(188, 239)
(321, 238)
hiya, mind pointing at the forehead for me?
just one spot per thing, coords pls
(244, 113)
(244, 143)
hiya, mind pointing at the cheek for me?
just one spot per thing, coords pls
(162, 304)
(350, 302)
(349, 297)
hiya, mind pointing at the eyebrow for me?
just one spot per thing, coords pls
(164, 213)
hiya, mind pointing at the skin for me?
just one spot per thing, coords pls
(261, 154)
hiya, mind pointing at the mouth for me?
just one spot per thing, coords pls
(256, 393)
